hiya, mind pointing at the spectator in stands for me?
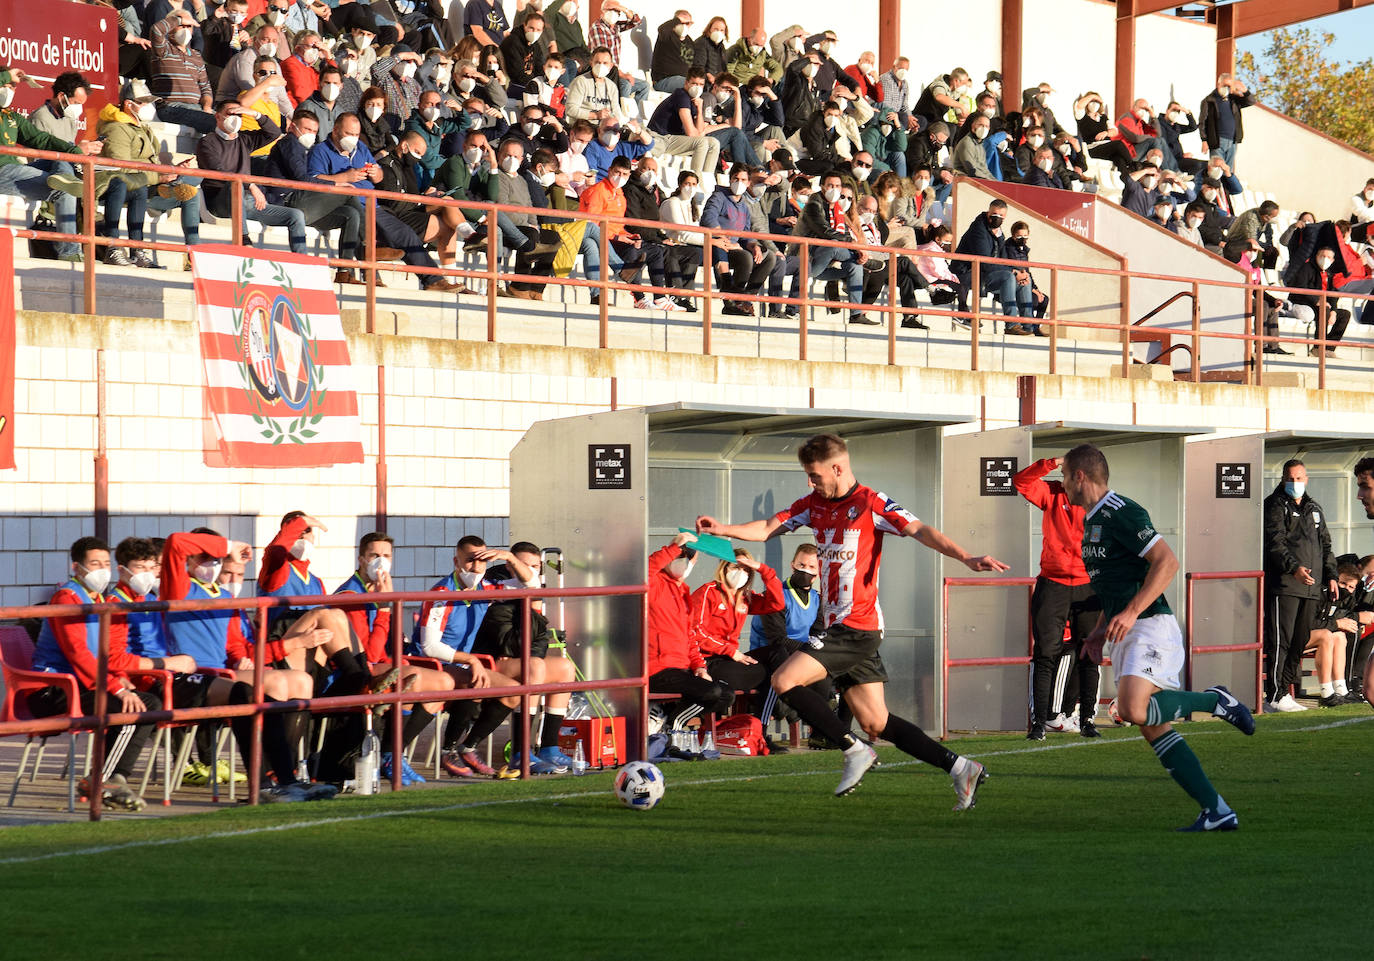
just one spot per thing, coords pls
(290, 17)
(1138, 189)
(1353, 274)
(1100, 136)
(831, 73)
(676, 665)
(717, 611)
(350, 97)
(1219, 119)
(532, 256)
(549, 90)
(374, 127)
(944, 285)
(941, 97)
(1042, 172)
(896, 96)
(486, 21)
(1038, 98)
(301, 70)
(624, 248)
(992, 84)
(394, 75)
(1253, 229)
(1215, 219)
(1137, 131)
(827, 216)
(325, 102)
(1189, 227)
(801, 96)
(1362, 204)
(539, 130)
(1164, 215)
(680, 129)
(569, 41)
(57, 119)
(1027, 293)
(432, 128)
(673, 51)
(970, 155)
(677, 266)
(436, 224)
(985, 105)
(864, 73)
(524, 51)
(766, 197)
(595, 96)
(1316, 274)
(612, 141)
(708, 52)
(224, 35)
(761, 117)
(178, 74)
(820, 138)
(1176, 121)
(874, 231)
(684, 208)
(722, 109)
(885, 138)
(240, 73)
(742, 265)
(615, 19)
(924, 151)
(1300, 571)
(68, 645)
(360, 35)
(788, 46)
(984, 238)
(749, 58)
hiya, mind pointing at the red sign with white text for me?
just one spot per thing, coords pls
(1067, 207)
(50, 37)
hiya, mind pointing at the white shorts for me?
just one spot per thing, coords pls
(1152, 649)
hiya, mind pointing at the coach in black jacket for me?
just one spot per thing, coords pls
(1299, 578)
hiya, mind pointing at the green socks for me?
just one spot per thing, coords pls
(1180, 761)
(1166, 706)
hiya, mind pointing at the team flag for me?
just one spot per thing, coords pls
(279, 389)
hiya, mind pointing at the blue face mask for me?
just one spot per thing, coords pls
(1295, 489)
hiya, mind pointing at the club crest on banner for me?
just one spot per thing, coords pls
(276, 353)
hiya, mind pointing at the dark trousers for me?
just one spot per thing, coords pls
(750, 678)
(712, 695)
(1287, 626)
(53, 700)
(1052, 606)
(744, 276)
(330, 211)
(1357, 652)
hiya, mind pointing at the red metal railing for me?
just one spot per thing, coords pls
(948, 662)
(712, 238)
(102, 718)
(1258, 646)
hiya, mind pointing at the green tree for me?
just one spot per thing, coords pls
(1295, 77)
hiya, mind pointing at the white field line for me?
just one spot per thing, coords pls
(438, 809)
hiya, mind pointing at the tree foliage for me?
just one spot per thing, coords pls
(1295, 77)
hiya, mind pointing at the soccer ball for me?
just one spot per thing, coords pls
(1115, 715)
(639, 785)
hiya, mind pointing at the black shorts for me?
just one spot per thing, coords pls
(849, 656)
(284, 623)
(191, 690)
(510, 647)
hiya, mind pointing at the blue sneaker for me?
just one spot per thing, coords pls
(1230, 709)
(1212, 821)
(555, 756)
(537, 765)
(408, 775)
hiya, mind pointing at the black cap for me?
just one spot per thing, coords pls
(784, 158)
(994, 75)
(400, 48)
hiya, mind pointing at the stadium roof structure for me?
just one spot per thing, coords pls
(1304, 441)
(1069, 434)
(687, 416)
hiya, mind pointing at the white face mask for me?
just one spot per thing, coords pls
(799, 44)
(1047, 165)
(330, 91)
(546, 179)
(1143, 115)
(646, 177)
(142, 582)
(268, 49)
(861, 173)
(811, 69)
(1035, 141)
(206, 573)
(510, 164)
(680, 568)
(350, 66)
(866, 219)
(373, 113)
(803, 199)
(237, 18)
(377, 567)
(1066, 149)
(757, 190)
(680, 29)
(182, 37)
(980, 133)
(844, 205)
(442, 76)
(736, 579)
(73, 111)
(276, 17)
(1224, 91)
(532, 128)
(830, 121)
(738, 187)
(302, 549)
(577, 146)
(233, 588)
(827, 46)
(147, 112)
(610, 140)
(601, 70)
(900, 74)
(695, 91)
(553, 76)
(362, 41)
(717, 36)
(6, 96)
(233, 123)
(472, 154)
(1094, 107)
(756, 101)
(468, 579)
(619, 180)
(348, 144)
(95, 579)
(1148, 182)
(532, 36)
(686, 191)
(407, 70)
(831, 194)
(466, 84)
(1325, 262)
(430, 114)
(311, 56)
(921, 185)
(1194, 222)
(307, 140)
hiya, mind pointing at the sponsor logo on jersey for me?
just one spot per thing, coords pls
(1095, 535)
(853, 512)
(1146, 534)
(1096, 553)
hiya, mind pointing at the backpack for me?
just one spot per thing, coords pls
(741, 734)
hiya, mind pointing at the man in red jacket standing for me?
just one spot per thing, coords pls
(1061, 595)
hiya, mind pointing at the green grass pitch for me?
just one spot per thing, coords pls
(1070, 853)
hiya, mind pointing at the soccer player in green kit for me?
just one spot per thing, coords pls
(1129, 565)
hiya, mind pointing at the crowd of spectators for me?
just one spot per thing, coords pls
(534, 107)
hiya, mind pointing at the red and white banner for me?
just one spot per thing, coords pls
(6, 350)
(51, 37)
(279, 388)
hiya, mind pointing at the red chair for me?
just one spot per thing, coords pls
(21, 680)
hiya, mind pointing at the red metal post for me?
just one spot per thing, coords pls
(1191, 649)
(706, 301)
(381, 447)
(1054, 306)
(236, 211)
(102, 461)
(976, 295)
(1124, 91)
(892, 310)
(804, 288)
(370, 251)
(522, 737)
(889, 31)
(398, 708)
(88, 228)
(604, 292)
(259, 677)
(493, 262)
(1025, 393)
(644, 676)
(1012, 15)
(100, 709)
(1197, 335)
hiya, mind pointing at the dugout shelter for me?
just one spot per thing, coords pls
(615, 486)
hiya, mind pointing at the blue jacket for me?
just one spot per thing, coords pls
(204, 635)
(599, 158)
(799, 615)
(325, 159)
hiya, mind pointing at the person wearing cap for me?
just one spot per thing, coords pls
(359, 34)
(178, 74)
(1138, 192)
(886, 139)
(394, 75)
(29, 180)
(923, 150)
(993, 84)
(1163, 215)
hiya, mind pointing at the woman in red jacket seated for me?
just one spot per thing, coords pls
(718, 610)
(676, 666)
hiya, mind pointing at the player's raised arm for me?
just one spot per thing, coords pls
(937, 541)
(759, 530)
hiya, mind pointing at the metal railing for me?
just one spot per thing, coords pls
(102, 718)
(713, 239)
(948, 662)
(1192, 649)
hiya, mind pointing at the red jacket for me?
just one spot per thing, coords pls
(301, 80)
(716, 623)
(1351, 266)
(1061, 556)
(670, 642)
(1137, 128)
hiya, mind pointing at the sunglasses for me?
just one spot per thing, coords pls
(863, 166)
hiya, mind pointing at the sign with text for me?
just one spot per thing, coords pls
(53, 37)
(1233, 480)
(996, 474)
(608, 467)
(1065, 207)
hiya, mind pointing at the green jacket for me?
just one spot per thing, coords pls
(743, 65)
(16, 130)
(566, 33)
(127, 139)
(879, 146)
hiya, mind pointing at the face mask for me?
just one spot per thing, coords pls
(472, 154)
(407, 70)
(717, 36)
(961, 90)
(1161, 213)
(532, 128)
(362, 42)
(619, 180)
(1066, 149)
(546, 178)
(756, 190)
(755, 50)
(430, 114)
(601, 70)
(680, 29)
(142, 582)
(843, 104)
(330, 91)
(493, 65)
(373, 113)
(989, 112)
(831, 194)
(680, 568)
(1209, 195)
(723, 98)
(96, 579)
(738, 187)
(532, 36)
(1325, 263)
(348, 144)
(466, 84)
(735, 579)
(1175, 117)
(803, 198)
(610, 140)
(1295, 489)
(1194, 222)
(577, 146)
(1046, 165)
(646, 177)
(468, 579)
(980, 133)
(686, 191)
(233, 588)
(900, 74)
(1223, 91)
(183, 39)
(922, 185)
(1042, 99)
(553, 76)
(311, 57)
(798, 44)
(695, 91)
(812, 69)
(237, 18)
(268, 49)
(994, 220)
(306, 140)
(377, 567)
(276, 17)
(861, 173)
(232, 124)
(866, 219)
(1144, 115)
(826, 47)
(350, 67)
(830, 121)
(756, 101)
(1148, 182)
(886, 129)
(1035, 141)
(442, 77)
(802, 580)
(844, 205)
(206, 573)
(612, 17)
(147, 112)
(73, 111)
(510, 164)
(302, 549)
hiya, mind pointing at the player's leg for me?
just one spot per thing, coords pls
(557, 670)
(1049, 609)
(1083, 615)
(490, 715)
(1367, 687)
(793, 680)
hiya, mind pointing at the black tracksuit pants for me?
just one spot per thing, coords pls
(1287, 626)
(1052, 606)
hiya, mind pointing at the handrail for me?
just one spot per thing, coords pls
(1258, 646)
(102, 718)
(1252, 338)
(947, 662)
(1167, 303)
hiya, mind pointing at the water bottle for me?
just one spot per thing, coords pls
(302, 771)
(367, 768)
(579, 759)
(710, 743)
